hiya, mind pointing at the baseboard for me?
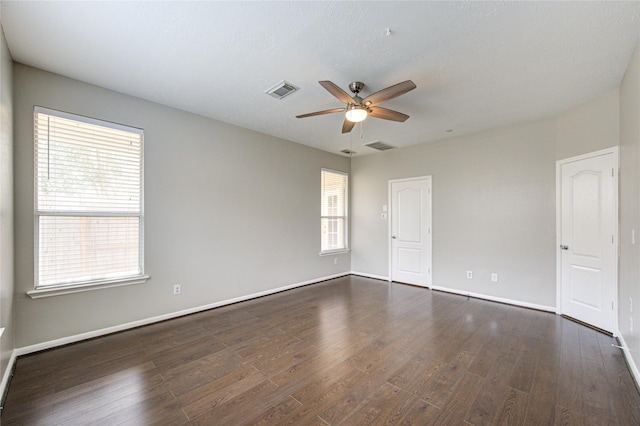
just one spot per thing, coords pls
(121, 327)
(4, 385)
(375, 277)
(474, 295)
(497, 299)
(630, 361)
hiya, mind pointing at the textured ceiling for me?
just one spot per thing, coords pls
(477, 65)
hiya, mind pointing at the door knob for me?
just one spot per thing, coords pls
(563, 247)
(393, 236)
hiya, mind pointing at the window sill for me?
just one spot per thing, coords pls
(331, 253)
(78, 288)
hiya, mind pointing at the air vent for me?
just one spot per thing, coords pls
(348, 152)
(281, 90)
(380, 146)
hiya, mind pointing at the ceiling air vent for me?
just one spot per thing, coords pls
(380, 146)
(348, 152)
(281, 90)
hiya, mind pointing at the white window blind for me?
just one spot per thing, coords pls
(334, 206)
(88, 200)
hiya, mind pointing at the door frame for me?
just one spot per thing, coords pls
(429, 179)
(615, 150)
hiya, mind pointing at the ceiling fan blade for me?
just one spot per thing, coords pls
(337, 92)
(387, 114)
(389, 93)
(347, 126)
(326, 111)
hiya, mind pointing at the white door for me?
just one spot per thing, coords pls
(588, 243)
(410, 228)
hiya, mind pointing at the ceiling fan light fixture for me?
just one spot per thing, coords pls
(356, 113)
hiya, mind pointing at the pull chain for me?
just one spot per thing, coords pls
(350, 143)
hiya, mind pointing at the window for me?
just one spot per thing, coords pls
(88, 201)
(333, 216)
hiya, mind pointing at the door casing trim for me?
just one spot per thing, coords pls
(430, 224)
(615, 150)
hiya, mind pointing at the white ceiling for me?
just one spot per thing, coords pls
(477, 65)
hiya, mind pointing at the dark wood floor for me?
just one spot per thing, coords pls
(348, 351)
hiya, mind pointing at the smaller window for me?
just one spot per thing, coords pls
(334, 221)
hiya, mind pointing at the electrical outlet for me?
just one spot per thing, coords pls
(177, 289)
(469, 274)
(335, 260)
(494, 278)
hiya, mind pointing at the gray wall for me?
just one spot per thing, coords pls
(629, 268)
(589, 127)
(493, 210)
(228, 212)
(6, 206)
(493, 201)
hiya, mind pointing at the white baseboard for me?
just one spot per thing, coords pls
(375, 277)
(497, 299)
(7, 375)
(630, 361)
(474, 295)
(121, 327)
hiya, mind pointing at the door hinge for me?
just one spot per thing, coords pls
(611, 172)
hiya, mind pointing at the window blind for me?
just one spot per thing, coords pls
(334, 207)
(88, 200)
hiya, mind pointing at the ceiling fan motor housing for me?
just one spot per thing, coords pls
(356, 86)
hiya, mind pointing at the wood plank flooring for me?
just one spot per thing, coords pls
(350, 351)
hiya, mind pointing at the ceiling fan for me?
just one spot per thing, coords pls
(358, 109)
